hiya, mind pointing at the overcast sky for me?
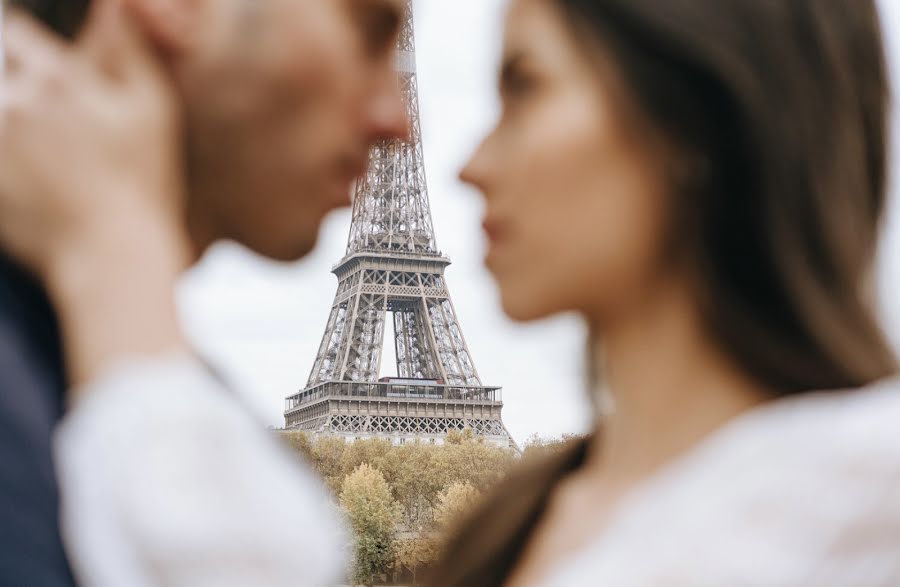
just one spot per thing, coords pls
(262, 322)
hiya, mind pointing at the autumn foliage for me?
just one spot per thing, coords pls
(403, 501)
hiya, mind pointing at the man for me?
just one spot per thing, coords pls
(280, 101)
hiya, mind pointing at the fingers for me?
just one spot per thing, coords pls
(7, 64)
(36, 61)
(28, 45)
(99, 38)
(34, 58)
(113, 40)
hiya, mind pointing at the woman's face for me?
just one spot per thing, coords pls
(574, 189)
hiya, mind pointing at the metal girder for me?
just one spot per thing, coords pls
(392, 264)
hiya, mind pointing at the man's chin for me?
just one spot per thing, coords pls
(289, 254)
(286, 250)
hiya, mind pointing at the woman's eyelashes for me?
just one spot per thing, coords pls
(516, 82)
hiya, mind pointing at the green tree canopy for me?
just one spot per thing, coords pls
(373, 515)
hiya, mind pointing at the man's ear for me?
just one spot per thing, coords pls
(171, 24)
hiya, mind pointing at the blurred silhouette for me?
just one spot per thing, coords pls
(703, 182)
(32, 389)
(171, 127)
(31, 403)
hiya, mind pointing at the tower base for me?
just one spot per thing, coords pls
(399, 413)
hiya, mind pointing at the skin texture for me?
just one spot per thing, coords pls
(565, 177)
(207, 119)
(577, 196)
(168, 125)
(281, 101)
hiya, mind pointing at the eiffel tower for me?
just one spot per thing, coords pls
(392, 264)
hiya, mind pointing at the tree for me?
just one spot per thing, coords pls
(372, 451)
(416, 552)
(424, 488)
(414, 474)
(455, 503)
(373, 515)
(470, 458)
(299, 442)
(537, 446)
(328, 461)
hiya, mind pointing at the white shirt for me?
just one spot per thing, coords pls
(803, 492)
(165, 480)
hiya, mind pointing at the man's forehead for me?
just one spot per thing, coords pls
(380, 21)
(398, 6)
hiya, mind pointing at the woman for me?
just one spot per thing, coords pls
(703, 182)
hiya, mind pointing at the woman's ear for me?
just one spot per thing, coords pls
(171, 24)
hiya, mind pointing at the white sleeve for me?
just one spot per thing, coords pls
(166, 480)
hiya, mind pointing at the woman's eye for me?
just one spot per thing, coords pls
(519, 85)
(516, 87)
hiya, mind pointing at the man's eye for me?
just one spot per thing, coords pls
(380, 27)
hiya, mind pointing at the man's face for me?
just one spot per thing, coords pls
(283, 99)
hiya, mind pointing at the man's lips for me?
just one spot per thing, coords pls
(358, 168)
(351, 171)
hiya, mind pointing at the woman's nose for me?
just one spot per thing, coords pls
(475, 172)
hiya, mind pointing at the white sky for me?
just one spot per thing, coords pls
(262, 322)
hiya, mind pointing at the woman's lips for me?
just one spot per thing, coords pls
(493, 229)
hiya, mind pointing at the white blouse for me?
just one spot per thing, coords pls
(166, 480)
(802, 492)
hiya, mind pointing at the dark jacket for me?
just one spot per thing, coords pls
(31, 403)
(488, 546)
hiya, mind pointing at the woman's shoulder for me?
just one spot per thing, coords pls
(855, 423)
(801, 491)
(870, 399)
(793, 450)
(842, 437)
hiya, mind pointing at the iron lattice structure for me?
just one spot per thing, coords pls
(392, 264)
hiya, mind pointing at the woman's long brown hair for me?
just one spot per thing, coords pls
(779, 110)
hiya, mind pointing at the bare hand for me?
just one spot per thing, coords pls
(91, 184)
(89, 142)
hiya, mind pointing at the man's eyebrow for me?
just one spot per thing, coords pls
(399, 6)
(381, 20)
(396, 8)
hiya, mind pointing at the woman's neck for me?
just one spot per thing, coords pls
(671, 386)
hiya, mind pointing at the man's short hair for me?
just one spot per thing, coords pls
(63, 16)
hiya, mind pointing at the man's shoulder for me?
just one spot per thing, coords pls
(31, 393)
(25, 311)
(31, 374)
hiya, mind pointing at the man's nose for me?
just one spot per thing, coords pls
(389, 112)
